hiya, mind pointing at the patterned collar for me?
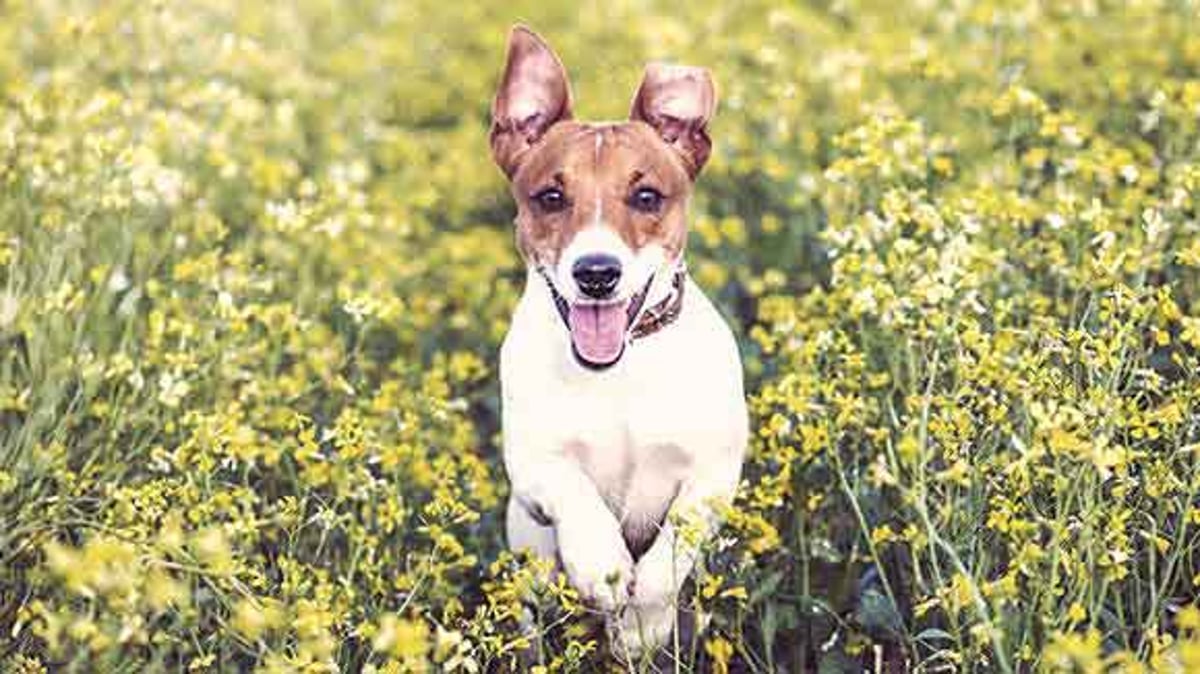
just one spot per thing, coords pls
(666, 311)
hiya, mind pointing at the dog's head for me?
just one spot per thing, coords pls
(601, 208)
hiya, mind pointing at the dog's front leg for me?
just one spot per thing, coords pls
(660, 573)
(556, 491)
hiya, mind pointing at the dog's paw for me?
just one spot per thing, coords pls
(638, 631)
(598, 566)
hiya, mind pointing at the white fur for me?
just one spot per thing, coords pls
(602, 452)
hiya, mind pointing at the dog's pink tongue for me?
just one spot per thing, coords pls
(598, 331)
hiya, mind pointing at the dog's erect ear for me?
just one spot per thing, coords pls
(534, 94)
(678, 101)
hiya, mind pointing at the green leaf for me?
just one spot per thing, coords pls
(877, 613)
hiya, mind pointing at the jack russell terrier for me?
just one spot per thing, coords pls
(621, 384)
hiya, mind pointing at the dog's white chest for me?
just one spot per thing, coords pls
(638, 429)
(630, 438)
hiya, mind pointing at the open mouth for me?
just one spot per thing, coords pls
(598, 329)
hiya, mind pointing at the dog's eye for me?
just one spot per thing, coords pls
(646, 199)
(551, 200)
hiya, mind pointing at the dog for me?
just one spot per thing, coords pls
(621, 385)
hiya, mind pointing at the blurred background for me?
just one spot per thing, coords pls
(256, 262)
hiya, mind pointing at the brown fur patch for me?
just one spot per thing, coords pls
(600, 166)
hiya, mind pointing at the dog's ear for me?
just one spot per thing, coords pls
(678, 101)
(534, 94)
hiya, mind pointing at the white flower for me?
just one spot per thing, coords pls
(118, 281)
(1104, 240)
(8, 309)
(1071, 135)
(151, 183)
(1153, 224)
(285, 216)
(361, 308)
(172, 389)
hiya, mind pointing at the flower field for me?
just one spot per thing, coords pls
(256, 263)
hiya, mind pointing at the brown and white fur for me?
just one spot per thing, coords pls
(606, 436)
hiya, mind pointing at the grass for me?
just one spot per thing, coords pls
(255, 264)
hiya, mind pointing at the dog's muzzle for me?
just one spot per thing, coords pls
(584, 318)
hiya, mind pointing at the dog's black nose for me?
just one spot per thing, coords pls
(597, 274)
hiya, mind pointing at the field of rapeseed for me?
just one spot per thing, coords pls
(255, 263)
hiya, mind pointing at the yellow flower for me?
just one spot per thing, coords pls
(1076, 613)
(721, 651)
(252, 618)
(405, 640)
